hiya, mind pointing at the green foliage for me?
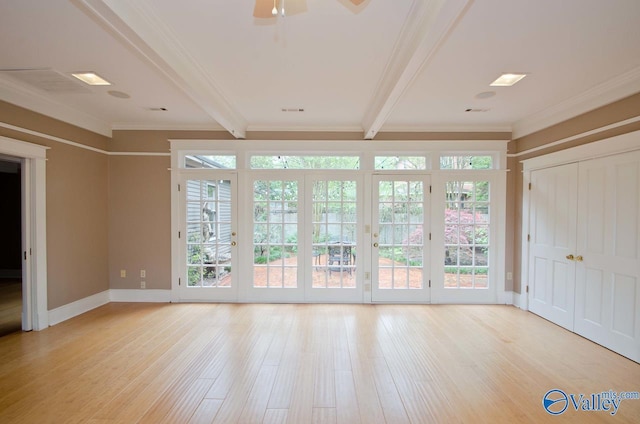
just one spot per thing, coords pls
(465, 271)
(305, 162)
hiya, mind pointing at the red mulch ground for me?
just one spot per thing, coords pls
(285, 273)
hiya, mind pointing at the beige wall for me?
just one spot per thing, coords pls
(139, 221)
(76, 205)
(112, 212)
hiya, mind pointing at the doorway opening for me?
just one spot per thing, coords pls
(11, 304)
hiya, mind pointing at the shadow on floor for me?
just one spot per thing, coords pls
(10, 306)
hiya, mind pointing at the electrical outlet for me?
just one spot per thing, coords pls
(509, 276)
(143, 284)
(123, 273)
(143, 273)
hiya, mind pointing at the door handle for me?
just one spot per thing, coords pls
(570, 257)
(579, 258)
(233, 243)
(375, 244)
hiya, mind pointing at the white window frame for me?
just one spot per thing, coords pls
(367, 150)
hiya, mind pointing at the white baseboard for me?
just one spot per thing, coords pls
(78, 307)
(519, 300)
(505, 298)
(137, 295)
(73, 309)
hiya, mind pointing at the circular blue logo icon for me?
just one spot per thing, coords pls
(555, 402)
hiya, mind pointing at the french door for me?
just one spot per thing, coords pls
(333, 238)
(277, 224)
(607, 256)
(305, 238)
(584, 261)
(400, 238)
(209, 236)
(554, 206)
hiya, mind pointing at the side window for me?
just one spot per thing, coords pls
(466, 234)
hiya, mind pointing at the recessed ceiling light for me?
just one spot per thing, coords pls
(91, 78)
(507, 80)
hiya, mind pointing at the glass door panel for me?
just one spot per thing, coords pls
(466, 235)
(400, 238)
(275, 234)
(209, 239)
(334, 205)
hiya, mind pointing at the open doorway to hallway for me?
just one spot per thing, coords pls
(10, 246)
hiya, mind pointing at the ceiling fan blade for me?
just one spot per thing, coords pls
(263, 8)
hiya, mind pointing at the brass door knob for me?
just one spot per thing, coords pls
(579, 258)
(570, 257)
(375, 244)
(233, 243)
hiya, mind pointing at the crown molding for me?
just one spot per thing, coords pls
(610, 91)
(303, 128)
(14, 93)
(141, 126)
(446, 128)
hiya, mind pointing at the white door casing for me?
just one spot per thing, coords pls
(34, 230)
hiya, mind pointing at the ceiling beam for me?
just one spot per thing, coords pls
(141, 30)
(427, 26)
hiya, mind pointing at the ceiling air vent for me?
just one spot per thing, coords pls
(476, 110)
(47, 80)
(292, 109)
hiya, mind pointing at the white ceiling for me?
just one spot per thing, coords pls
(386, 65)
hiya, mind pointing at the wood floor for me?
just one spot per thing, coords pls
(221, 363)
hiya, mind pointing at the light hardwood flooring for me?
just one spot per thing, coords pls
(228, 363)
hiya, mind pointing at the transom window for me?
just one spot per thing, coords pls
(466, 162)
(305, 162)
(210, 161)
(412, 163)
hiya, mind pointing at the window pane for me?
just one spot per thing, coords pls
(305, 162)
(466, 162)
(210, 161)
(466, 234)
(275, 233)
(401, 162)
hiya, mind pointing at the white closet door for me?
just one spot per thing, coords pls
(608, 266)
(552, 243)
